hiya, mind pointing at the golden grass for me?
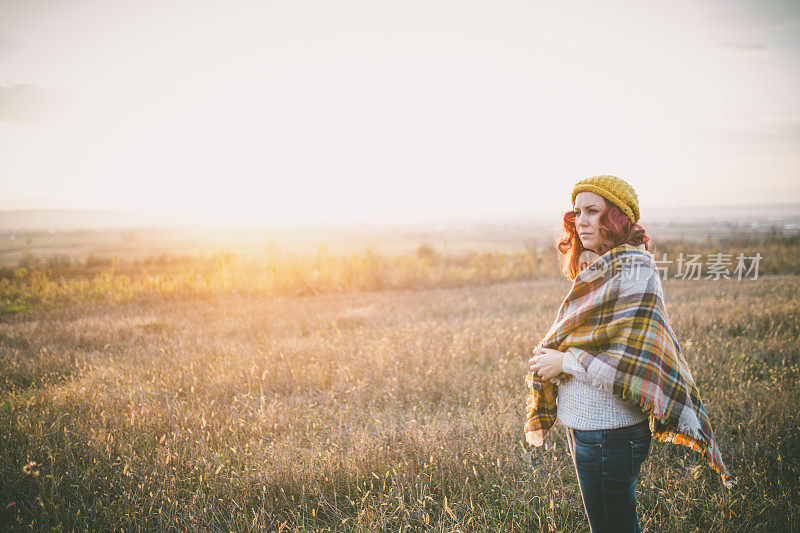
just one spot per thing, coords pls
(57, 282)
(227, 274)
(392, 410)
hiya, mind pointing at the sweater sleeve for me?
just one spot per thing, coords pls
(572, 366)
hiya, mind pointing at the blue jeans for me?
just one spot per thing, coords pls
(607, 462)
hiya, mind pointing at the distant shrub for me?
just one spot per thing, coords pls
(426, 251)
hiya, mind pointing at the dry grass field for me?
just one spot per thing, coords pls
(370, 410)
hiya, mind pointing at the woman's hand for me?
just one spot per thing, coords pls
(546, 363)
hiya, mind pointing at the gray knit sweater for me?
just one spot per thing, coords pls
(582, 405)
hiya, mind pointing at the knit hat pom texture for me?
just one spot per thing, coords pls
(613, 189)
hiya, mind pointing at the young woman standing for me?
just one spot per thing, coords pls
(610, 368)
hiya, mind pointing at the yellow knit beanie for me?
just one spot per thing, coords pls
(614, 190)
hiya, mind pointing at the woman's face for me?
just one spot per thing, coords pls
(587, 208)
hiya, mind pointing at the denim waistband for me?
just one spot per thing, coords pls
(637, 427)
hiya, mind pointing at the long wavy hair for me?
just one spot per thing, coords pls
(615, 229)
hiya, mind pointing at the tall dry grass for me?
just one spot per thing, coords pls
(371, 411)
(39, 284)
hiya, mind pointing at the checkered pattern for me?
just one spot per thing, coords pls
(615, 314)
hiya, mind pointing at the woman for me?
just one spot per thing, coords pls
(610, 368)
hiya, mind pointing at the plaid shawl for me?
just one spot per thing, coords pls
(615, 314)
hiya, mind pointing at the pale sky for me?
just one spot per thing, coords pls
(307, 111)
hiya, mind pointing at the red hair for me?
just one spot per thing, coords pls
(615, 229)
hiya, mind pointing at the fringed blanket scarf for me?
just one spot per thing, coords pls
(615, 314)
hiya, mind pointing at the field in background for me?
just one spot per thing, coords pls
(111, 272)
(129, 237)
(362, 390)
